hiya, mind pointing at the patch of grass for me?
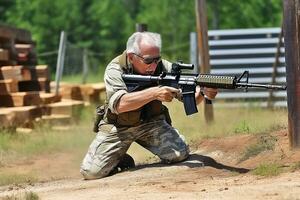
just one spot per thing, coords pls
(44, 139)
(27, 196)
(295, 166)
(242, 127)
(270, 169)
(13, 178)
(31, 196)
(264, 143)
(228, 121)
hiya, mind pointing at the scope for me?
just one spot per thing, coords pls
(178, 66)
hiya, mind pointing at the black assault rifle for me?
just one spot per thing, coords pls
(188, 82)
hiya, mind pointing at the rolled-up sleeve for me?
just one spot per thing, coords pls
(115, 86)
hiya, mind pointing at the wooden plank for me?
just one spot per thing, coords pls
(20, 99)
(4, 55)
(64, 107)
(34, 85)
(20, 35)
(35, 73)
(91, 92)
(48, 98)
(16, 116)
(71, 92)
(8, 86)
(10, 72)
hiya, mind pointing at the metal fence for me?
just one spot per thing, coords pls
(257, 50)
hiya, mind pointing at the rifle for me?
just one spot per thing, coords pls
(188, 82)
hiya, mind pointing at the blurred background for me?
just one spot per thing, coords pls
(98, 30)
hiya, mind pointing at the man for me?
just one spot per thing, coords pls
(136, 116)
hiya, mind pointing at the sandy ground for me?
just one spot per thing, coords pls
(212, 173)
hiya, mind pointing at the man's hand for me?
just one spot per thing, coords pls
(209, 93)
(166, 94)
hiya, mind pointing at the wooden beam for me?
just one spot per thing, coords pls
(292, 52)
(203, 50)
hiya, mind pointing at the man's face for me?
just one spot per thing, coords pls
(145, 62)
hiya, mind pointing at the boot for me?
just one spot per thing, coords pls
(126, 162)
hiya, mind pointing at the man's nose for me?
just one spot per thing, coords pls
(152, 66)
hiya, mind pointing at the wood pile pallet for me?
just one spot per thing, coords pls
(25, 86)
(92, 93)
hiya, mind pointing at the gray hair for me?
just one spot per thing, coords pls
(137, 38)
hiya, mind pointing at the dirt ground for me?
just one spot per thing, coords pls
(213, 171)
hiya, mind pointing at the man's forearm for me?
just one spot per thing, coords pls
(135, 100)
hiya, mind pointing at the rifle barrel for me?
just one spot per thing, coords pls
(257, 85)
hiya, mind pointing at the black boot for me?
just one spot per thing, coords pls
(126, 162)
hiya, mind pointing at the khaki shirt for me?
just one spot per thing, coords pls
(115, 86)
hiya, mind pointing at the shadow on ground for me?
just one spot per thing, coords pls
(196, 160)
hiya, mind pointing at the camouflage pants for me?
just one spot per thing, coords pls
(111, 144)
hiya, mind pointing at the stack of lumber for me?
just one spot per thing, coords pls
(16, 47)
(25, 95)
(93, 92)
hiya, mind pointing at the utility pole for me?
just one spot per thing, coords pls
(292, 59)
(203, 50)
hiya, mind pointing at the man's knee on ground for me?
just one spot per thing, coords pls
(90, 174)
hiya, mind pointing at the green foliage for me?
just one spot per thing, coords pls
(270, 169)
(104, 26)
(244, 14)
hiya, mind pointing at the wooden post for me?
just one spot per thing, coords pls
(203, 50)
(292, 59)
(275, 71)
(141, 27)
(85, 63)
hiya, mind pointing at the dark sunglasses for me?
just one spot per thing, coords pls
(149, 60)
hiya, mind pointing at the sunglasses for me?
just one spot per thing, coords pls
(149, 60)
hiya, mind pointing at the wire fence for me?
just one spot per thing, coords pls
(80, 65)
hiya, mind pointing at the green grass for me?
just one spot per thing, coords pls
(267, 170)
(264, 143)
(8, 178)
(26, 196)
(227, 121)
(44, 140)
(295, 166)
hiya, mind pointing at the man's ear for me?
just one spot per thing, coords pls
(130, 56)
